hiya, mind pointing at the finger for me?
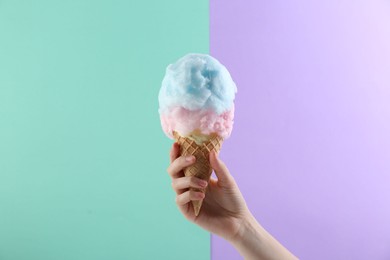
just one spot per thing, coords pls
(220, 169)
(174, 151)
(188, 196)
(179, 184)
(179, 164)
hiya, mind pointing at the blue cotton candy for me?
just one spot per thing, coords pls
(197, 82)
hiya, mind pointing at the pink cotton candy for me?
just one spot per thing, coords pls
(185, 121)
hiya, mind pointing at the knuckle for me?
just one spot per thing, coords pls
(174, 184)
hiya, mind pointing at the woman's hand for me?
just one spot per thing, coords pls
(224, 211)
(223, 208)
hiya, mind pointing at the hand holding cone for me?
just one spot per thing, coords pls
(201, 168)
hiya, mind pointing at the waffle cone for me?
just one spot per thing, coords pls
(201, 168)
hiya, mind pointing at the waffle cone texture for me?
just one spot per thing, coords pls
(201, 168)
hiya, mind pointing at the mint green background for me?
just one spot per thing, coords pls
(82, 155)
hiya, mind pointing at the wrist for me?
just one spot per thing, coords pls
(249, 228)
(254, 242)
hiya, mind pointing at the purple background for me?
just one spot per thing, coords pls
(310, 147)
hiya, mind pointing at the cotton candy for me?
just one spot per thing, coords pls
(197, 93)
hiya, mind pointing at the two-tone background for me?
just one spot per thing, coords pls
(83, 156)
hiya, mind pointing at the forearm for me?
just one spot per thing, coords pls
(255, 243)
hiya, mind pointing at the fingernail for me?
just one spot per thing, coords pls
(200, 195)
(203, 183)
(190, 158)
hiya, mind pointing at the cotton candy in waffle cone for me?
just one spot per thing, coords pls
(201, 168)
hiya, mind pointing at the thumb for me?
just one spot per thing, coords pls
(220, 169)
